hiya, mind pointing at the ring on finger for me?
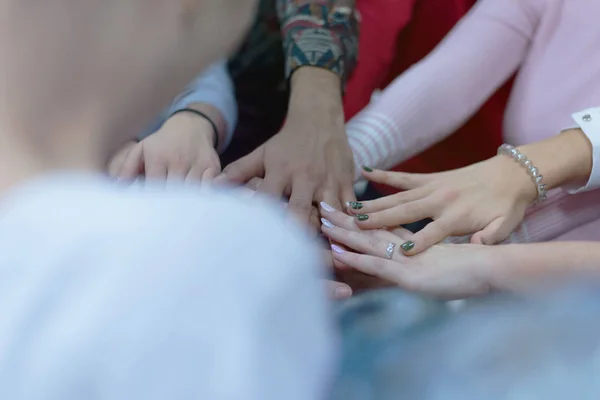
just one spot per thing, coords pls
(389, 251)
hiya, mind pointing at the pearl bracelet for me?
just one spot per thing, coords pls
(519, 157)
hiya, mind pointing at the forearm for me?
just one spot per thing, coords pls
(563, 160)
(315, 94)
(522, 266)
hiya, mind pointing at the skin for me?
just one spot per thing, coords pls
(84, 99)
(310, 158)
(336, 290)
(183, 149)
(457, 271)
(487, 199)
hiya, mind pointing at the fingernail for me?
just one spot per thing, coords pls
(355, 205)
(327, 207)
(368, 169)
(342, 292)
(337, 249)
(362, 217)
(327, 223)
(408, 245)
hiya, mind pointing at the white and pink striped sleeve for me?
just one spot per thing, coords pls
(437, 95)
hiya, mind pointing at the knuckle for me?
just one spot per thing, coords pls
(449, 195)
(374, 242)
(313, 174)
(301, 206)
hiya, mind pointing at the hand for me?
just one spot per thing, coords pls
(182, 149)
(487, 199)
(310, 158)
(314, 219)
(443, 271)
(302, 164)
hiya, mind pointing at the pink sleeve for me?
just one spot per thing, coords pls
(554, 217)
(437, 95)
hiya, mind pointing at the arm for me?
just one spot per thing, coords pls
(440, 93)
(212, 93)
(519, 266)
(321, 46)
(566, 160)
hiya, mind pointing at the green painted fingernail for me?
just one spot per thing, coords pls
(362, 217)
(368, 169)
(407, 246)
(355, 205)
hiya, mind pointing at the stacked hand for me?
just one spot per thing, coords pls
(301, 164)
(336, 290)
(487, 200)
(181, 150)
(444, 271)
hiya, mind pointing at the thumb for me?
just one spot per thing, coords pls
(132, 167)
(244, 169)
(495, 232)
(431, 234)
(399, 180)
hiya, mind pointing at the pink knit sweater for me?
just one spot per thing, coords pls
(554, 45)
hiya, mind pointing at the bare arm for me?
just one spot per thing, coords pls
(519, 266)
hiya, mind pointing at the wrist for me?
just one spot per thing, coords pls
(316, 91)
(517, 178)
(564, 159)
(191, 122)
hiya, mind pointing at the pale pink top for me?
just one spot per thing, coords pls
(555, 46)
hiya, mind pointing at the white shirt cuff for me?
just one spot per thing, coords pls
(589, 122)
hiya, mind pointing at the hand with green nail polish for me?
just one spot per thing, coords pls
(487, 200)
(446, 271)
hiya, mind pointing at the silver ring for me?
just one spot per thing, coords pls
(389, 252)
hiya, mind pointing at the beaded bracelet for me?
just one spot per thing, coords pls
(511, 151)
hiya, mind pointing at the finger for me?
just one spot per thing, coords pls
(348, 199)
(331, 197)
(399, 180)
(386, 202)
(376, 245)
(195, 175)
(116, 163)
(495, 232)
(399, 215)
(209, 175)
(244, 169)
(432, 234)
(375, 266)
(254, 183)
(133, 165)
(300, 203)
(156, 170)
(176, 172)
(338, 290)
(314, 220)
(330, 261)
(403, 233)
(273, 185)
(337, 218)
